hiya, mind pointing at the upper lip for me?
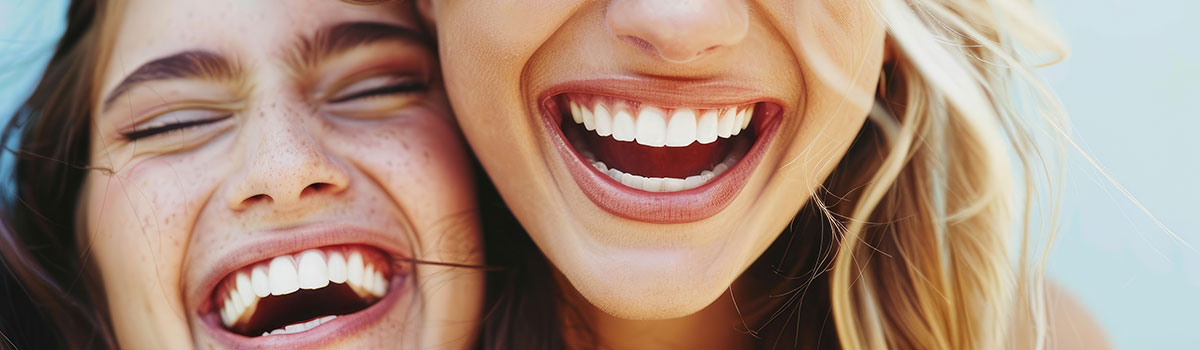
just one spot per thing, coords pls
(664, 92)
(263, 245)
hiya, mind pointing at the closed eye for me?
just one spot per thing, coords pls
(178, 120)
(380, 86)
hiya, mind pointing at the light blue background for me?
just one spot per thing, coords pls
(1132, 87)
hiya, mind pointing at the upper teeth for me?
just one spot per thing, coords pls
(656, 126)
(311, 269)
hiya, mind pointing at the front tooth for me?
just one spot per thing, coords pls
(623, 128)
(737, 122)
(706, 129)
(313, 274)
(354, 268)
(294, 328)
(258, 278)
(575, 113)
(337, 267)
(651, 127)
(604, 122)
(725, 124)
(283, 275)
(681, 130)
(244, 290)
(589, 121)
(673, 184)
(653, 184)
(749, 115)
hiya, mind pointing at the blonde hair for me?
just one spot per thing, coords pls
(923, 258)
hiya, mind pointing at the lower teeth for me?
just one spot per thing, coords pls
(300, 327)
(663, 184)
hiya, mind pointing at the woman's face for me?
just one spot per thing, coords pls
(653, 149)
(273, 168)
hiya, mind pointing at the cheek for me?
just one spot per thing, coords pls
(137, 224)
(423, 166)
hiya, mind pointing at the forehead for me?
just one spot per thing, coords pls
(249, 30)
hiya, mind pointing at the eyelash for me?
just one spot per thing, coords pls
(394, 89)
(148, 132)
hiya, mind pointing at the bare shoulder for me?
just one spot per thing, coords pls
(1071, 325)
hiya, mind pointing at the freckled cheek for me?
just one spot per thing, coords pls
(139, 223)
(423, 165)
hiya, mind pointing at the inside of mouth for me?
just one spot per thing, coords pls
(667, 164)
(297, 292)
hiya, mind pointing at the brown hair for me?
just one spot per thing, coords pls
(48, 278)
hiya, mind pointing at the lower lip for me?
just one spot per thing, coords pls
(663, 207)
(338, 329)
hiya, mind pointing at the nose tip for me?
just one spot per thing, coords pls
(681, 30)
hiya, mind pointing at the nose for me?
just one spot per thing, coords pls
(285, 165)
(679, 31)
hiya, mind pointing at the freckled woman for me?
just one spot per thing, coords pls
(232, 174)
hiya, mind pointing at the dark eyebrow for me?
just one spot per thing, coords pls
(338, 38)
(186, 64)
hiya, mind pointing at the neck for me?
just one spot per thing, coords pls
(714, 327)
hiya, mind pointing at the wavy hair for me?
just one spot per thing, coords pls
(922, 259)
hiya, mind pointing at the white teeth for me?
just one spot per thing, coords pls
(283, 276)
(651, 127)
(660, 127)
(589, 121)
(239, 294)
(623, 128)
(749, 115)
(604, 121)
(368, 283)
(706, 128)
(354, 268)
(725, 125)
(258, 278)
(681, 129)
(665, 184)
(738, 121)
(312, 271)
(337, 267)
(244, 289)
(300, 327)
(575, 113)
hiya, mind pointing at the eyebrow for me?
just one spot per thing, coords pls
(186, 64)
(339, 38)
(307, 52)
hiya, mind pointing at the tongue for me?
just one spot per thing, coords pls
(634, 158)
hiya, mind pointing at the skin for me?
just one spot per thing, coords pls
(499, 56)
(176, 202)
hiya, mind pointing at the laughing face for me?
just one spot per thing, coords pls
(654, 149)
(275, 170)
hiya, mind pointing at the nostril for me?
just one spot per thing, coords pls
(314, 188)
(640, 43)
(258, 198)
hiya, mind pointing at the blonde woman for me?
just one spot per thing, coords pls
(758, 174)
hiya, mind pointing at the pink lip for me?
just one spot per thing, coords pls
(664, 207)
(268, 244)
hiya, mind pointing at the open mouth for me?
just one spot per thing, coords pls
(298, 292)
(660, 164)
